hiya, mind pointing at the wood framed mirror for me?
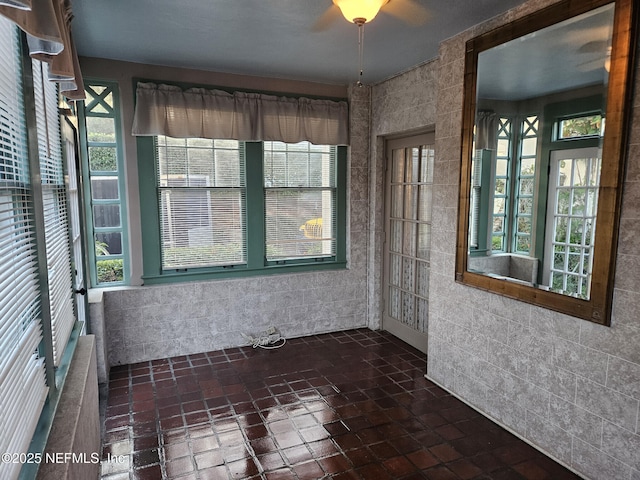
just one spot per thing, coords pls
(544, 140)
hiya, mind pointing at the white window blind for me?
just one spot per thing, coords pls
(23, 388)
(201, 188)
(56, 220)
(300, 200)
(476, 203)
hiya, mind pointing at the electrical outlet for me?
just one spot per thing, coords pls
(271, 330)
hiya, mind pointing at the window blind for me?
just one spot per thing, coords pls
(23, 388)
(300, 203)
(201, 188)
(476, 204)
(56, 219)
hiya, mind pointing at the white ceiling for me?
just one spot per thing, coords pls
(562, 57)
(269, 38)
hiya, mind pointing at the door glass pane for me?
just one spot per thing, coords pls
(394, 303)
(408, 313)
(422, 278)
(529, 146)
(501, 168)
(110, 270)
(426, 165)
(424, 240)
(395, 264)
(412, 166)
(108, 243)
(422, 314)
(106, 216)
(424, 208)
(410, 202)
(396, 201)
(560, 230)
(397, 167)
(408, 273)
(409, 240)
(395, 244)
(103, 159)
(503, 147)
(101, 129)
(104, 188)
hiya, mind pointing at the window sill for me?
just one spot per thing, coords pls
(240, 272)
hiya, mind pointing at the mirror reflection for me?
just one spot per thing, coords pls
(537, 155)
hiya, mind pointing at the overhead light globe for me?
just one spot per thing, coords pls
(360, 11)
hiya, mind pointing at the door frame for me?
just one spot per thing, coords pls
(405, 333)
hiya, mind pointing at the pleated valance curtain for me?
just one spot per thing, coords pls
(202, 113)
(486, 123)
(47, 24)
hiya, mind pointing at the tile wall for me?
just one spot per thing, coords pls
(568, 386)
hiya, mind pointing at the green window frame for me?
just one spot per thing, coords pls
(502, 187)
(586, 110)
(579, 127)
(254, 215)
(514, 184)
(300, 198)
(522, 237)
(201, 201)
(104, 180)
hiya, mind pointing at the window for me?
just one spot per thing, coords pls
(225, 207)
(37, 315)
(201, 196)
(300, 187)
(103, 170)
(54, 200)
(24, 388)
(580, 127)
(502, 187)
(524, 188)
(514, 184)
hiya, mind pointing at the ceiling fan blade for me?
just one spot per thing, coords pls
(594, 46)
(329, 16)
(408, 11)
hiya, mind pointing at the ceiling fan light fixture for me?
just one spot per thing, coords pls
(360, 11)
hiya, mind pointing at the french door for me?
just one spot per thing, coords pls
(574, 180)
(409, 190)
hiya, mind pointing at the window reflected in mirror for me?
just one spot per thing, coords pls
(536, 104)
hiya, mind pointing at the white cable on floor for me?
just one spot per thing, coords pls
(269, 340)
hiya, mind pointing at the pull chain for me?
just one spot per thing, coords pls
(360, 51)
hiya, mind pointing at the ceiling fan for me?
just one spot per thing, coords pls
(598, 54)
(360, 12)
(364, 11)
